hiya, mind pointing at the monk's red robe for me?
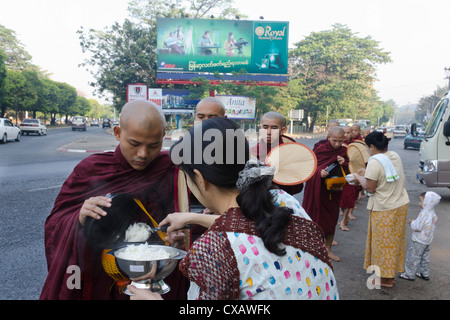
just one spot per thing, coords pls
(319, 203)
(65, 243)
(262, 149)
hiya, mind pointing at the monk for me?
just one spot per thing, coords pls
(321, 204)
(273, 127)
(356, 132)
(137, 167)
(209, 107)
(365, 133)
(349, 192)
(331, 124)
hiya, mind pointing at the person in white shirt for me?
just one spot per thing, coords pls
(417, 263)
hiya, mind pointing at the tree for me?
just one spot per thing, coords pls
(126, 53)
(17, 58)
(120, 55)
(336, 70)
(67, 99)
(19, 93)
(35, 83)
(81, 107)
(427, 103)
(2, 82)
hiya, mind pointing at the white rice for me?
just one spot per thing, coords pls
(138, 232)
(142, 252)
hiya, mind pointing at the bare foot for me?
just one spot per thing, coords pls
(334, 243)
(343, 227)
(333, 257)
(387, 282)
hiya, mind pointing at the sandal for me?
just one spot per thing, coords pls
(405, 277)
(420, 275)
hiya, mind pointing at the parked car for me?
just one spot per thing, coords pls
(413, 141)
(8, 131)
(95, 123)
(116, 123)
(33, 126)
(106, 123)
(79, 123)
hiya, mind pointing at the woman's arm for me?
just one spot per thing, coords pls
(367, 184)
(178, 220)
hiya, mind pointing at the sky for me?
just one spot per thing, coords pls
(413, 31)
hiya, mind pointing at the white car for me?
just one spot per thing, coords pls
(33, 126)
(8, 131)
(79, 123)
(400, 132)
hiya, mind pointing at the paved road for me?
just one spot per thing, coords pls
(33, 170)
(350, 275)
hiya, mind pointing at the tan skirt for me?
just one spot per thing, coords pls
(385, 246)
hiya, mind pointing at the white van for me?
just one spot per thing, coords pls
(435, 148)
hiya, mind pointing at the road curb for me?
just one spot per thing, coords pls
(83, 151)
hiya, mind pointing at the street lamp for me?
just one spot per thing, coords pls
(447, 76)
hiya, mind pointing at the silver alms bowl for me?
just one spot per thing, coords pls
(150, 274)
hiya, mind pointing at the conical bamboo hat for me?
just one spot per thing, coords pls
(358, 155)
(295, 163)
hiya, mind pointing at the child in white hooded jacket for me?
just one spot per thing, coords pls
(417, 261)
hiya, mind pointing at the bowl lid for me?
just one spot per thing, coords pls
(100, 234)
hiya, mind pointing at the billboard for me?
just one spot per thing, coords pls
(223, 46)
(241, 108)
(178, 101)
(137, 91)
(155, 96)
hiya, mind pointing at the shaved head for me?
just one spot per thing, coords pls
(275, 116)
(356, 131)
(337, 132)
(336, 137)
(145, 114)
(141, 133)
(209, 108)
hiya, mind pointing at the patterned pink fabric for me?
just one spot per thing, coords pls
(211, 262)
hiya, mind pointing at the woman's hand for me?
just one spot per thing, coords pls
(143, 294)
(176, 220)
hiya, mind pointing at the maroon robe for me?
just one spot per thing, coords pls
(262, 149)
(349, 196)
(65, 243)
(319, 203)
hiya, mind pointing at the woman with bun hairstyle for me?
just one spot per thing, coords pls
(262, 245)
(384, 180)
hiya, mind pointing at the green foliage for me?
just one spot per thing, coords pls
(428, 103)
(120, 55)
(126, 53)
(17, 57)
(335, 70)
(25, 87)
